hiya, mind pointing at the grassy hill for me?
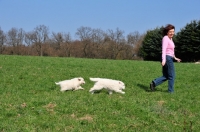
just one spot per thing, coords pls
(30, 100)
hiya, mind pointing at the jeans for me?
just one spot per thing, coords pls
(168, 72)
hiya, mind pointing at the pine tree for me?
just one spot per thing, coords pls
(188, 42)
(152, 45)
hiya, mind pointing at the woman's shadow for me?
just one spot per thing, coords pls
(144, 87)
(147, 88)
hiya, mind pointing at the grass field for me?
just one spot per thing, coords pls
(30, 101)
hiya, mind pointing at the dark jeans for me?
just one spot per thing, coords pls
(168, 71)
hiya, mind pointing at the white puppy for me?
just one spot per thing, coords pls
(72, 84)
(109, 84)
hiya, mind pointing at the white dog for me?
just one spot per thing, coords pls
(109, 84)
(72, 84)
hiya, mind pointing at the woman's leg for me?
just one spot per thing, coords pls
(171, 74)
(163, 78)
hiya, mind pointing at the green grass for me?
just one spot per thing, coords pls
(30, 101)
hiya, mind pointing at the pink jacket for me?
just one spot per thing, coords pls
(167, 47)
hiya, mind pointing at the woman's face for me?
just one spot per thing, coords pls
(170, 33)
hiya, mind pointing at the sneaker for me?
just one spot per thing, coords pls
(152, 87)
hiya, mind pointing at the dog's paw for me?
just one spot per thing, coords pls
(92, 92)
(110, 93)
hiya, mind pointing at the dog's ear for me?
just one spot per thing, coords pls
(119, 82)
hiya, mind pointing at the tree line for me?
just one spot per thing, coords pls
(96, 43)
(91, 43)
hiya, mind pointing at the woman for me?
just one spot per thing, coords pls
(168, 55)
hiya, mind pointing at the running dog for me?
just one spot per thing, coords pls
(72, 84)
(109, 84)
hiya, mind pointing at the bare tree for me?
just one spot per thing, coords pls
(97, 36)
(29, 36)
(138, 45)
(116, 36)
(66, 44)
(12, 37)
(57, 38)
(97, 39)
(132, 38)
(15, 38)
(117, 42)
(2, 40)
(61, 42)
(135, 41)
(85, 35)
(39, 37)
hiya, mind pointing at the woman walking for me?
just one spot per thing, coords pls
(168, 55)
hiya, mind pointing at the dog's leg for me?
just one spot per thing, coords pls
(80, 87)
(95, 88)
(77, 88)
(110, 91)
(119, 91)
(91, 91)
(64, 88)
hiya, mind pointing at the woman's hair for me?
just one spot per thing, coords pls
(167, 28)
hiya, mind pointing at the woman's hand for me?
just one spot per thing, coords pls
(163, 63)
(177, 59)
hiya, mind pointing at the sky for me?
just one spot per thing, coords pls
(67, 16)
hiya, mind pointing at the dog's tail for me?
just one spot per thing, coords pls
(57, 83)
(95, 79)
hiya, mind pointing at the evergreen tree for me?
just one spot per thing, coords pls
(188, 42)
(152, 45)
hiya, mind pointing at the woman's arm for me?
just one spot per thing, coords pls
(164, 48)
(177, 59)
